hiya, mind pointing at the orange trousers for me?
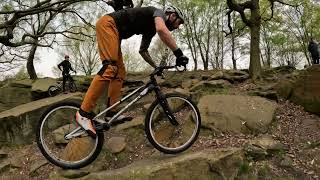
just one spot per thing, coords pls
(112, 78)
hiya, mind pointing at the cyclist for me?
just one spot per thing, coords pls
(110, 30)
(66, 67)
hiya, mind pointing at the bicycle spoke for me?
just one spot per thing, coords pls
(174, 138)
(63, 140)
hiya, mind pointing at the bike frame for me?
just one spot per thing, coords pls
(152, 85)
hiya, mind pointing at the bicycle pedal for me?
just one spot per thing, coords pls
(102, 126)
(121, 121)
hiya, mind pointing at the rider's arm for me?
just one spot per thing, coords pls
(165, 34)
(59, 66)
(71, 67)
(145, 43)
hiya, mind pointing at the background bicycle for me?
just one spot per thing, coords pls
(57, 88)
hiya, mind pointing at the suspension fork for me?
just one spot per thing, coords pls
(165, 106)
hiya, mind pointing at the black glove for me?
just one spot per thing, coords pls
(181, 60)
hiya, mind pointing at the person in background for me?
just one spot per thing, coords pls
(314, 51)
(65, 67)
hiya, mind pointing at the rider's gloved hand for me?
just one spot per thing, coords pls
(181, 60)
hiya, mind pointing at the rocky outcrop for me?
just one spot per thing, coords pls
(40, 87)
(214, 84)
(306, 89)
(232, 76)
(263, 147)
(116, 144)
(210, 164)
(284, 88)
(15, 93)
(18, 125)
(203, 88)
(11, 97)
(236, 114)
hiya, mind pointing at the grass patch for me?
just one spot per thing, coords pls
(244, 168)
(263, 171)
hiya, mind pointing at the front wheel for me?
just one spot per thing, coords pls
(57, 122)
(163, 134)
(53, 91)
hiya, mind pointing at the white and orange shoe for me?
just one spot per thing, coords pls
(86, 124)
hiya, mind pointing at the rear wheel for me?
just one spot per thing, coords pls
(69, 153)
(165, 136)
(72, 86)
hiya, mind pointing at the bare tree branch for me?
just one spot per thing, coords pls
(240, 8)
(281, 2)
(14, 17)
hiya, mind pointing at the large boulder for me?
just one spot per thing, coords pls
(24, 83)
(203, 88)
(284, 88)
(263, 147)
(210, 164)
(232, 76)
(306, 90)
(82, 82)
(40, 87)
(236, 114)
(18, 125)
(13, 96)
(215, 84)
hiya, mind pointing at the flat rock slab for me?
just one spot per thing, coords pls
(204, 165)
(236, 114)
(18, 125)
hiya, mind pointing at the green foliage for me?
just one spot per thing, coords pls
(244, 168)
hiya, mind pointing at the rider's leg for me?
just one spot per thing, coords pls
(315, 59)
(109, 49)
(64, 79)
(114, 91)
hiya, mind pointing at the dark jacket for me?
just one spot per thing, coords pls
(66, 67)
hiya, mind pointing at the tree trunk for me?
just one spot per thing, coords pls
(222, 43)
(233, 45)
(218, 44)
(234, 61)
(30, 67)
(268, 56)
(195, 64)
(205, 65)
(222, 52)
(255, 64)
(267, 49)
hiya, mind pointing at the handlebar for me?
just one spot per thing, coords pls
(158, 71)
